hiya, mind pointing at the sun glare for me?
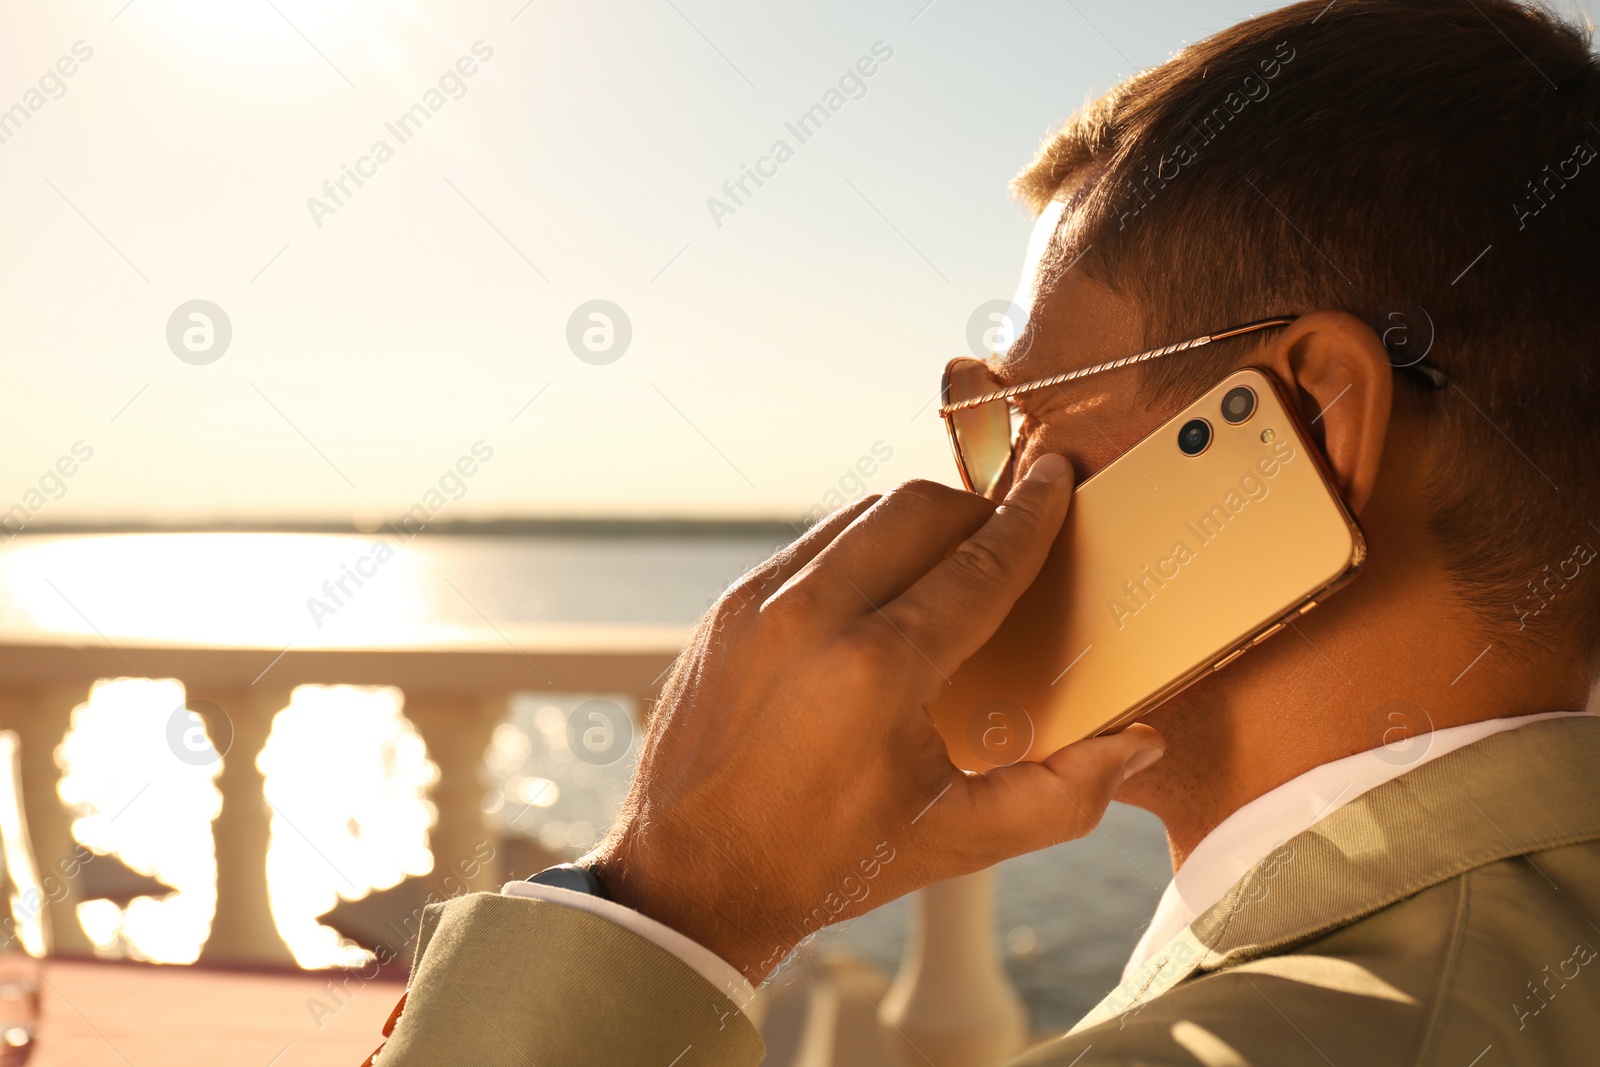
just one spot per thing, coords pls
(152, 811)
(255, 34)
(238, 589)
(347, 776)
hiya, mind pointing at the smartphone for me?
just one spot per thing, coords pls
(1205, 538)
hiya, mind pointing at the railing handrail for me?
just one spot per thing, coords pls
(628, 661)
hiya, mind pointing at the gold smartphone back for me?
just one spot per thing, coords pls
(1168, 566)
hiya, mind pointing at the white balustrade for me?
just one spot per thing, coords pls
(455, 693)
(950, 1005)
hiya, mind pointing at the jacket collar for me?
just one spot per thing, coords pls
(1517, 792)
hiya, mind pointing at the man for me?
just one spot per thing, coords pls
(1407, 178)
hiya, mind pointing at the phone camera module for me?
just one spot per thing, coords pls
(1195, 436)
(1238, 404)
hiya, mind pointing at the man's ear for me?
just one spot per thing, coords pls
(1338, 368)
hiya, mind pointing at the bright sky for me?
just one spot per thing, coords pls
(376, 340)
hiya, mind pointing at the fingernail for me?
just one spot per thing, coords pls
(1140, 760)
(1047, 468)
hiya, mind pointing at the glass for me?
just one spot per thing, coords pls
(981, 434)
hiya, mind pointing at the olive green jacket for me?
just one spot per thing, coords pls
(1450, 916)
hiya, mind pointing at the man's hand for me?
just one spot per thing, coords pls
(792, 777)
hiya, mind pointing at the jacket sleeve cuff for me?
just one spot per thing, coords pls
(713, 968)
(500, 980)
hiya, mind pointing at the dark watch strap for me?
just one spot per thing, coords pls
(573, 877)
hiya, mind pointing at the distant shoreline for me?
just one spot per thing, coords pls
(551, 527)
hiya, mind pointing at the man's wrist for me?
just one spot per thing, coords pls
(689, 909)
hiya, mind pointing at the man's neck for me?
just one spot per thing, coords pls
(1295, 708)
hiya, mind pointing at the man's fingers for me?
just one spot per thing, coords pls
(949, 613)
(1028, 806)
(891, 546)
(757, 585)
(816, 540)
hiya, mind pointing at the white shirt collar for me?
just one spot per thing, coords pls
(1249, 835)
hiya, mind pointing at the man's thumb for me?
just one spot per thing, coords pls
(1029, 806)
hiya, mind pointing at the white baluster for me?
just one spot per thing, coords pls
(457, 729)
(243, 929)
(41, 719)
(951, 1003)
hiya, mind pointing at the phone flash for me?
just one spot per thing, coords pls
(1267, 435)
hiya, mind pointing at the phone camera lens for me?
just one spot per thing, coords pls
(1194, 437)
(1238, 404)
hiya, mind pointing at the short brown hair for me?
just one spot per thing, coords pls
(1373, 154)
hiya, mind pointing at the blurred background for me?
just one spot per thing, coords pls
(389, 387)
